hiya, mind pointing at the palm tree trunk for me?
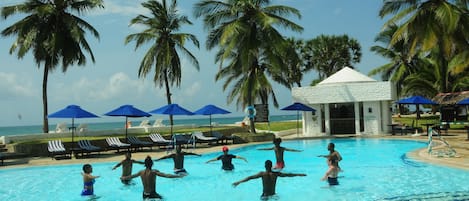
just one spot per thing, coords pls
(250, 99)
(45, 123)
(168, 96)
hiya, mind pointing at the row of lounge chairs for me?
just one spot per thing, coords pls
(57, 148)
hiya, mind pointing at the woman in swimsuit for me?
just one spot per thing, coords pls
(88, 180)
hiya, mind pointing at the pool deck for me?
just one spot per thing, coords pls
(456, 139)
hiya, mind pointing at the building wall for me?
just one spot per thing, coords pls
(376, 98)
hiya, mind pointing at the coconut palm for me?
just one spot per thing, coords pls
(161, 31)
(328, 54)
(52, 30)
(244, 32)
(433, 24)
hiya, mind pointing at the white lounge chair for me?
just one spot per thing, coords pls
(115, 143)
(158, 123)
(159, 140)
(199, 137)
(87, 146)
(56, 147)
(82, 128)
(61, 128)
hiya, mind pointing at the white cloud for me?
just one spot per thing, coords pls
(125, 8)
(12, 87)
(192, 90)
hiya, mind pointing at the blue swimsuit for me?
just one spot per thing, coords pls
(88, 188)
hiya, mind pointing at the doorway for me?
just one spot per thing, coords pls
(342, 118)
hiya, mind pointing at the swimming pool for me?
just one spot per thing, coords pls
(374, 169)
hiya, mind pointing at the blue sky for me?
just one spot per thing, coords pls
(112, 81)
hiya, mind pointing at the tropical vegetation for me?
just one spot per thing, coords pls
(161, 31)
(53, 32)
(427, 45)
(249, 46)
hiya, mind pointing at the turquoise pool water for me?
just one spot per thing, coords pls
(374, 169)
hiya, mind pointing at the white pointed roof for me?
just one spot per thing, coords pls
(346, 75)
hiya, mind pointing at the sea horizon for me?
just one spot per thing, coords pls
(95, 126)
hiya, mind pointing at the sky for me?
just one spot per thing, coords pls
(113, 80)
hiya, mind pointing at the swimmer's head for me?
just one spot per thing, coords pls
(268, 164)
(277, 141)
(331, 146)
(87, 168)
(148, 162)
(128, 155)
(225, 149)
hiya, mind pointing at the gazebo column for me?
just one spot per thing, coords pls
(327, 118)
(356, 108)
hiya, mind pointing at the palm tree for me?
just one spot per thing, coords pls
(244, 32)
(439, 27)
(160, 30)
(53, 33)
(328, 54)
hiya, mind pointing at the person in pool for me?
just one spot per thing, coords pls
(148, 177)
(333, 172)
(88, 180)
(269, 179)
(178, 159)
(226, 159)
(333, 152)
(127, 165)
(279, 150)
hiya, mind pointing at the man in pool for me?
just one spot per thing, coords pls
(333, 171)
(127, 164)
(269, 179)
(148, 177)
(178, 159)
(226, 159)
(332, 152)
(279, 153)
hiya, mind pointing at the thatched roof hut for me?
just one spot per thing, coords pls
(450, 98)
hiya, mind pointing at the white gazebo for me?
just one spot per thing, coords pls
(347, 102)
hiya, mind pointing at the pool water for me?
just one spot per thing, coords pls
(373, 169)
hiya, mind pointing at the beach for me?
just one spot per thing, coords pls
(457, 140)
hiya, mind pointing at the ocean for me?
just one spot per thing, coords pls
(37, 129)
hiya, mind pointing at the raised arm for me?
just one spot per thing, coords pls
(131, 176)
(242, 158)
(167, 175)
(293, 150)
(291, 175)
(139, 162)
(190, 153)
(263, 149)
(213, 159)
(165, 157)
(117, 165)
(258, 175)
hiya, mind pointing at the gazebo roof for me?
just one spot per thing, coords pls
(450, 98)
(346, 75)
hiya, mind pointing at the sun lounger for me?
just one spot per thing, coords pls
(56, 147)
(115, 143)
(199, 137)
(86, 146)
(222, 137)
(182, 139)
(159, 140)
(61, 128)
(137, 143)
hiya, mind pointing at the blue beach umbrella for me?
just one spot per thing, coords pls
(298, 107)
(127, 111)
(463, 102)
(416, 100)
(210, 110)
(172, 109)
(72, 111)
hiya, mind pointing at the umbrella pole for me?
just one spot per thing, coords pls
(210, 117)
(73, 133)
(126, 127)
(297, 123)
